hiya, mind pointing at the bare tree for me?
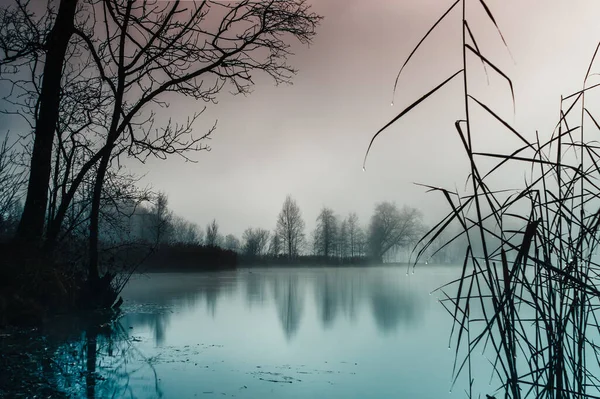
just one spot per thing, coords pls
(161, 219)
(361, 242)
(232, 243)
(275, 245)
(342, 240)
(26, 40)
(144, 53)
(12, 181)
(120, 199)
(392, 228)
(212, 234)
(290, 228)
(175, 50)
(326, 233)
(354, 235)
(185, 232)
(28, 34)
(255, 241)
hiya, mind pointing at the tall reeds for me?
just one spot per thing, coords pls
(527, 298)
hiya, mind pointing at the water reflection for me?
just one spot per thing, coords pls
(337, 294)
(392, 308)
(249, 334)
(326, 294)
(255, 288)
(88, 356)
(289, 301)
(157, 322)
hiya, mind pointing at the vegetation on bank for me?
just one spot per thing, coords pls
(189, 258)
(181, 245)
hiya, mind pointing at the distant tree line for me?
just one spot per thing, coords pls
(334, 240)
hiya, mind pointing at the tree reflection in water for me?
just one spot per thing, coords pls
(289, 301)
(89, 356)
(391, 307)
(99, 358)
(337, 292)
(326, 297)
(104, 363)
(255, 288)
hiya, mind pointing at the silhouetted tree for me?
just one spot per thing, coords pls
(142, 52)
(315, 242)
(255, 241)
(26, 40)
(342, 240)
(121, 198)
(141, 224)
(355, 235)
(232, 243)
(80, 133)
(212, 234)
(275, 245)
(290, 228)
(161, 219)
(9, 220)
(362, 241)
(325, 235)
(249, 38)
(392, 228)
(12, 182)
(184, 232)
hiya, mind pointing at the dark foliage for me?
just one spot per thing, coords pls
(189, 258)
(303, 260)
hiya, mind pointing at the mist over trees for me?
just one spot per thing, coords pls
(356, 236)
(326, 233)
(232, 243)
(392, 228)
(212, 234)
(161, 219)
(255, 242)
(334, 240)
(185, 232)
(275, 245)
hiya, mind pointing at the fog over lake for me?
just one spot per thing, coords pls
(206, 199)
(275, 333)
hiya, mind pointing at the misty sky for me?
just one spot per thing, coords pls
(309, 139)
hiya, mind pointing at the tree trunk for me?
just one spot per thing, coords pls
(31, 226)
(93, 273)
(112, 136)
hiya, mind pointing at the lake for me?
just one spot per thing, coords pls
(275, 333)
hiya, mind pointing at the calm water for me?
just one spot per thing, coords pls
(277, 333)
